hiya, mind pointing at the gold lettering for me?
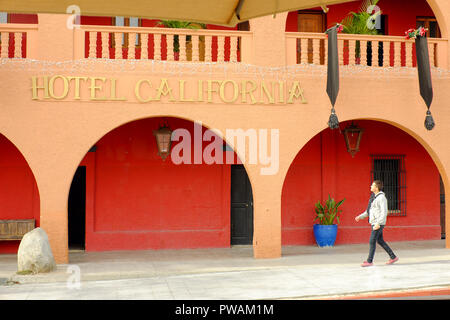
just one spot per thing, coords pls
(227, 90)
(35, 87)
(65, 88)
(268, 94)
(200, 90)
(137, 90)
(77, 86)
(113, 91)
(244, 91)
(296, 92)
(222, 91)
(211, 90)
(281, 91)
(94, 88)
(168, 91)
(182, 98)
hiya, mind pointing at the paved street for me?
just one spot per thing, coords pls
(303, 272)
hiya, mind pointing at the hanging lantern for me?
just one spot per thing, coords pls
(163, 140)
(352, 135)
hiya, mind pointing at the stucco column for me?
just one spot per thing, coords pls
(266, 214)
(54, 219)
(269, 40)
(54, 174)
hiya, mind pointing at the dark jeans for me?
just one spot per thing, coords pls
(377, 236)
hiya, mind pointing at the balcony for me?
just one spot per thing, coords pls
(18, 40)
(165, 44)
(364, 50)
(207, 46)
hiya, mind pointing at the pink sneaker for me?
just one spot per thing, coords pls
(391, 261)
(367, 264)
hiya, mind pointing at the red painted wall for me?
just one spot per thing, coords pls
(22, 18)
(19, 196)
(401, 14)
(324, 166)
(135, 200)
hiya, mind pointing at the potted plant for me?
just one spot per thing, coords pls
(176, 42)
(326, 230)
(361, 22)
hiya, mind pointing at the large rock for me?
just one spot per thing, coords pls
(35, 254)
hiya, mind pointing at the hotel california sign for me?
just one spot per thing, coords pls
(87, 88)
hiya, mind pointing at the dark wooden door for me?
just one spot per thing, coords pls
(77, 209)
(311, 21)
(241, 206)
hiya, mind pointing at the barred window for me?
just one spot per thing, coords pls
(390, 169)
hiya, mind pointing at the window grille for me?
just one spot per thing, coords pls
(390, 169)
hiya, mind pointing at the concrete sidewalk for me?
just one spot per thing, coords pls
(303, 272)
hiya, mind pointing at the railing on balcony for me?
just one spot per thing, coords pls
(112, 42)
(365, 50)
(17, 40)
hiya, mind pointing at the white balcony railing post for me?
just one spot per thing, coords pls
(19, 40)
(5, 44)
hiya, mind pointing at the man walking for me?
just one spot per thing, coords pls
(377, 212)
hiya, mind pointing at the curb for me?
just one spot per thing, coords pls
(399, 293)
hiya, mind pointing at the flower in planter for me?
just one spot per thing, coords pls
(414, 33)
(339, 28)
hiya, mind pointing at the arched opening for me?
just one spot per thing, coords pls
(198, 197)
(324, 166)
(19, 197)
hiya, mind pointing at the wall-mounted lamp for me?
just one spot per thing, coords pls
(163, 140)
(352, 135)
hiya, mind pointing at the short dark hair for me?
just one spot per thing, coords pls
(379, 184)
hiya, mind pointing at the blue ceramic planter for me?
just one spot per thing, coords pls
(325, 234)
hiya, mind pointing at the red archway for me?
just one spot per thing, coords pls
(135, 200)
(19, 195)
(324, 166)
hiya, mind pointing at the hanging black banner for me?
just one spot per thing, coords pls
(333, 74)
(424, 72)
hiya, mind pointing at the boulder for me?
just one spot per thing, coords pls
(34, 254)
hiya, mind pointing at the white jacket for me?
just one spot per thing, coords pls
(378, 210)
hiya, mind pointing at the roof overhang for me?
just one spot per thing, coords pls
(219, 12)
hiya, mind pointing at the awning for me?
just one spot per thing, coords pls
(219, 12)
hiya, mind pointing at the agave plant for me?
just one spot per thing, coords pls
(326, 214)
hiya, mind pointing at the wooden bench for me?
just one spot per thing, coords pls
(15, 229)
